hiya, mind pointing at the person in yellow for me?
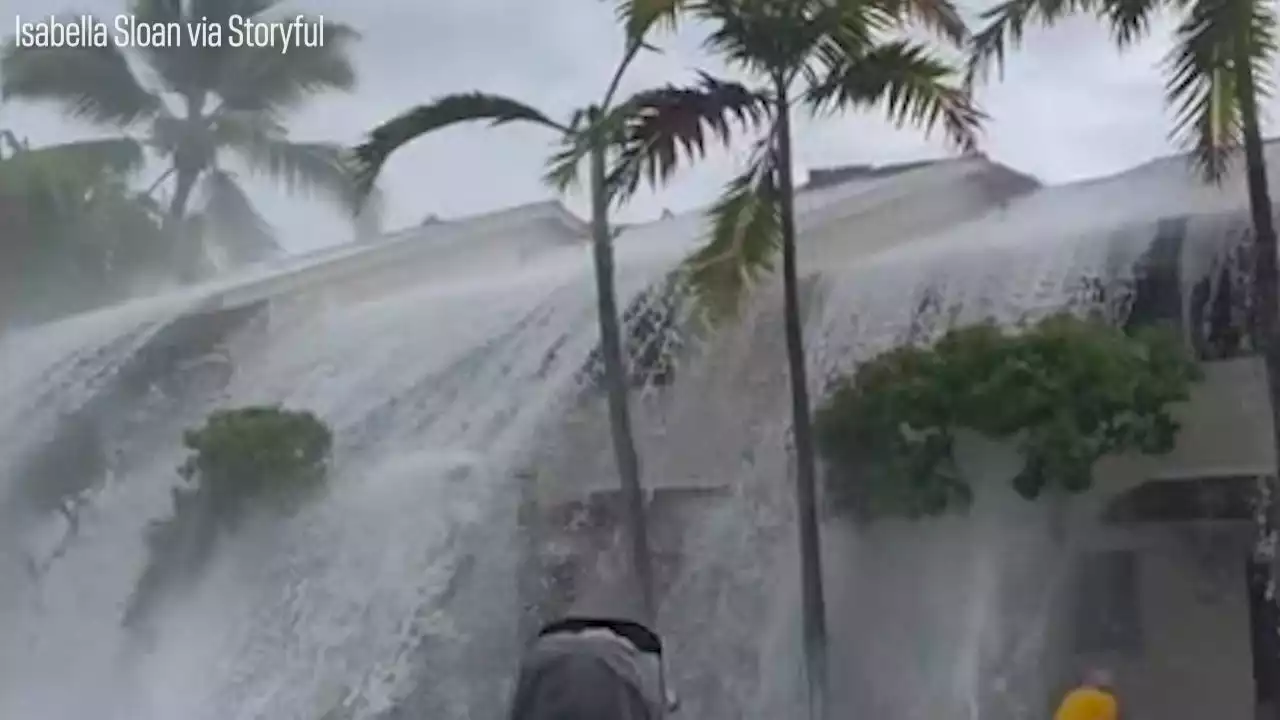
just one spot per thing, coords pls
(1093, 699)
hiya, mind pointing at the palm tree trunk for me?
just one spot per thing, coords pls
(1266, 304)
(814, 605)
(182, 194)
(184, 254)
(615, 378)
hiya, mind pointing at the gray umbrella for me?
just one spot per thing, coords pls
(600, 661)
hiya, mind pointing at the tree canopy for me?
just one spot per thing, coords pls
(1065, 391)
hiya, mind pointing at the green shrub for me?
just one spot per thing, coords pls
(263, 458)
(1067, 391)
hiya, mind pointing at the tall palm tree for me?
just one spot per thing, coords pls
(821, 55)
(205, 101)
(602, 135)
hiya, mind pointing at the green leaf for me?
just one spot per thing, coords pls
(253, 457)
(660, 125)
(442, 113)
(1067, 391)
(913, 87)
(939, 17)
(573, 148)
(1201, 84)
(89, 83)
(74, 163)
(759, 35)
(639, 16)
(746, 233)
(1130, 20)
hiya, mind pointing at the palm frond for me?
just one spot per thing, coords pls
(639, 16)
(268, 80)
(656, 126)
(1202, 83)
(939, 17)
(563, 165)
(239, 128)
(118, 156)
(1129, 20)
(444, 112)
(1005, 25)
(746, 233)
(235, 223)
(88, 83)
(310, 168)
(187, 69)
(70, 168)
(913, 86)
(753, 34)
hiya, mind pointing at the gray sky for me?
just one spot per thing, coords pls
(1069, 107)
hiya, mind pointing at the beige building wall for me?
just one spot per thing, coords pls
(897, 587)
(1196, 659)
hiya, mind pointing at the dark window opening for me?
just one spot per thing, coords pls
(1226, 497)
(1157, 292)
(1108, 618)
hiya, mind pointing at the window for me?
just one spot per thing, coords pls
(1108, 619)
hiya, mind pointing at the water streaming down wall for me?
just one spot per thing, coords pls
(456, 393)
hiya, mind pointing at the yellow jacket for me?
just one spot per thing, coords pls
(1088, 703)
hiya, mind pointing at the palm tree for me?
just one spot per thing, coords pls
(679, 119)
(74, 232)
(1220, 66)
(823, 55)
(206, 100)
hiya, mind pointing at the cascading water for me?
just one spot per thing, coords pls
(395, 595)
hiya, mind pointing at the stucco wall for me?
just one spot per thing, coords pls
(982, 608)
(1226, 430)
(1195, 660)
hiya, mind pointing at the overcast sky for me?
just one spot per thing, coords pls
(1069, 107)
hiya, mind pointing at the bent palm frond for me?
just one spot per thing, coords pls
(88, 83)
(443, 112)
(658, 125)
(746, 233)
(913, 85)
